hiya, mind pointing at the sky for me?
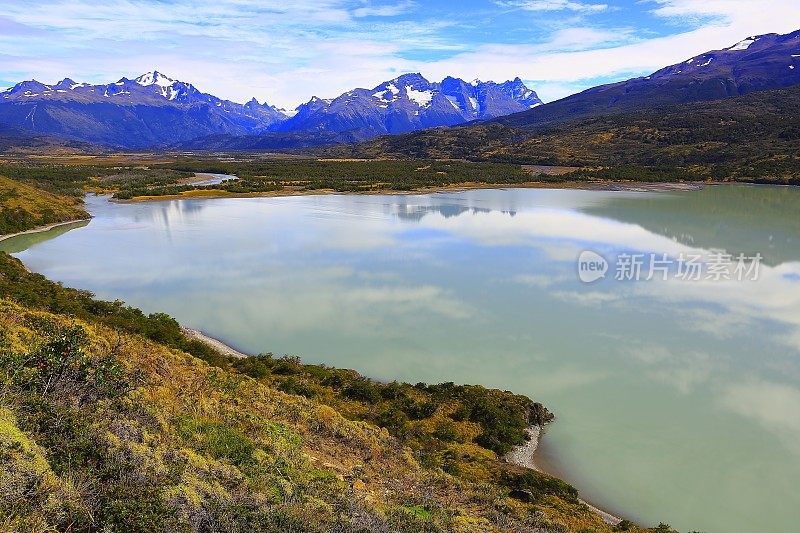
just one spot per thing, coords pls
(284, 52)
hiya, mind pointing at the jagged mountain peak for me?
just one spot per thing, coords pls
(406, 103)
(65, 84)
(411, 79)
(154, 77)
(166, 111)
(410, 102)
(29, 88)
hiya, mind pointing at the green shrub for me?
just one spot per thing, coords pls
(218, 440)
(61, 366)
(532, 486)
(362, 390)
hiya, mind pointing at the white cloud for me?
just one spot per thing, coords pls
(563, 71)
(553, 5)
(280, 54)
(285, 53)
(384, 11)
(588, 298)
(737, 305)
(496, 228)
(775, 406)
(568, 377)
(685, 370)
(538, 281)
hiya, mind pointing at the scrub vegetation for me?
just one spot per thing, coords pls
(257, 175)
(23, 206)
(112, 420)
(750, 138)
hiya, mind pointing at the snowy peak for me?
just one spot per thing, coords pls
(742, 45)
(154, 78)
(154, 91)
(168, 88)
(66, 84)
(414, 80)
(413, 88)
(462, 95)
(762, 52)
(27, 89)
(411, 102)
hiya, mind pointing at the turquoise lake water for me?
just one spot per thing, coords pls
(677, 400)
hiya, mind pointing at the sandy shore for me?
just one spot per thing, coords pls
(524, 455)
(40, 229)
(217, 344)
(295, 191)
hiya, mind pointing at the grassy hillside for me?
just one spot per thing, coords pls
(23, 207)
(755, 137)
(107, 423)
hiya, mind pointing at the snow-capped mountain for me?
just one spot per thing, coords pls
(155, 109)
(149, 88)
(151, 109)
(408, 103)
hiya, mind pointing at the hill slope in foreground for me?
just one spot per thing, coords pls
(23, 207)
(109, 423)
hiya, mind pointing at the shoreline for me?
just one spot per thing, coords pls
(42, 229)
(221, 347)
(524, 455)
(605, 185)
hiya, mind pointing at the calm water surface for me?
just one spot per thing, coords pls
(677, 401)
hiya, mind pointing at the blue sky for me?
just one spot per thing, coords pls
(284, 52)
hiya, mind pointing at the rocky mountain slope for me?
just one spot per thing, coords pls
(411, 102)
(756, 63)
(149, 110)
(156, 110)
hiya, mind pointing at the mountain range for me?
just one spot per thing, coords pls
(726, 114)
(409, 103)
(755, 64)
(156, 110)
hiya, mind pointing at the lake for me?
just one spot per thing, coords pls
(677, 399)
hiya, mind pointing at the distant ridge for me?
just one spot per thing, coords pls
(755, 63)
(154, 110)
